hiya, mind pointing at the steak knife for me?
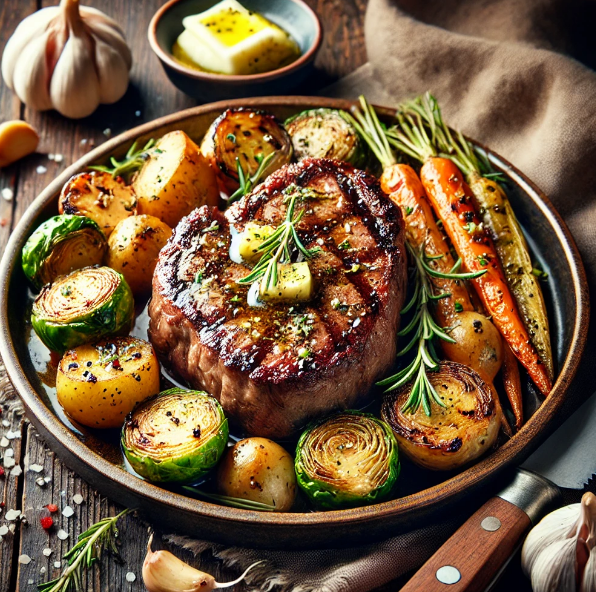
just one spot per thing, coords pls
(473, 558)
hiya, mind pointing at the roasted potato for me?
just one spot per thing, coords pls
(99, 196)
(244, 134)
(478, 344)
(174, 180)
(260, 470)
(453, 435)
(133, 249)
(99, 384)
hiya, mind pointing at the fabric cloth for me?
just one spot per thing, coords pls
(499, 72)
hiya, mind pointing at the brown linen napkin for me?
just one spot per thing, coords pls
(496, 70)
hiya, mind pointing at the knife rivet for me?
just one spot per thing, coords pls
(490, 524)
(448, 575)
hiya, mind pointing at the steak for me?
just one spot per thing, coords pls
(277, 367)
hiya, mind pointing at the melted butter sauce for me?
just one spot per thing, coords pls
(230, 26)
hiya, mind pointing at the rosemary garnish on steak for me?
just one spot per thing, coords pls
(278, 248)
(425, 330)
(248, 182)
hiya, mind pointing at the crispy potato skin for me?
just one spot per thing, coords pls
(258, 469)
(99, 196)
(454, 435)
(134, 246)
(175, 180)
(100, 395)
(244, 134)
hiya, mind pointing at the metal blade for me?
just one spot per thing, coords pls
(568, 457)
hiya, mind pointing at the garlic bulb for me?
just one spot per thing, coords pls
(164, 572)
(68, 58)
(559, 554)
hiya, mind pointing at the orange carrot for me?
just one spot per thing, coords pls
(452, 200)
(512, 385)
(403, 186)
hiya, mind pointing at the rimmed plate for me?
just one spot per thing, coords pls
(567, 300)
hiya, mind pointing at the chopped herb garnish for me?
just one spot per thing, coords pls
(235, 298)
(459, 307)
(304, 353)
(344, 245)
(213, 228)
(231, 137)
(66, 291)
(482, 260)
(198, 277)
(409, 210)
(543, 275)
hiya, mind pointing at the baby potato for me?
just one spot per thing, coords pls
(478, 344)
(175, 179)
(260, 470)
(133, 249)
(99, 384)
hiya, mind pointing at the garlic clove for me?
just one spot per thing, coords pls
(588, 583)
(164, 572)
(31, 73)
(74, 88)
(554, 568)
(557, 525)
(17, 139)
(29, 29)
(115, 39)
(111, 71)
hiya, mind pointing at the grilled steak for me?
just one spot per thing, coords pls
(275, 368)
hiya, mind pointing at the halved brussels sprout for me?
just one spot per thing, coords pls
(348, 460)
(82, 307)
(176, 436)
(326, 133)
(61, 245)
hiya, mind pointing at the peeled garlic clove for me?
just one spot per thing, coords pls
(17, 139)
(164, 572)
(557, 525)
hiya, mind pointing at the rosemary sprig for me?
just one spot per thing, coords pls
(425, 329)
(278, 249)
(132, 161)
(248, 182)
(102, 535)
(234, 502)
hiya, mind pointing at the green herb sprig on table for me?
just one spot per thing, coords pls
(278, 249)
(132, 161)
(248, 182)
(425, 329)
(91, 543)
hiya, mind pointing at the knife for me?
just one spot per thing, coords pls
(473, 558)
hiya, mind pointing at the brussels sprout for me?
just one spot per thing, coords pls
(61, 245)
(82, 307)
(326, 133)
(176, 436)
(347, 460)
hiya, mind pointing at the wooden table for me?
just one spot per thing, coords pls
(152, 95)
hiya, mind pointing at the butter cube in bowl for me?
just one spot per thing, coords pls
(217, 50)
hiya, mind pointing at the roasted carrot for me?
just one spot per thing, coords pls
(452, 200)
(401, 183)
(512, 385)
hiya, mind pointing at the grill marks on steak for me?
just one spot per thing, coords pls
(283, 349)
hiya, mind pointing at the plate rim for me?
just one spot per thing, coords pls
(529, 437)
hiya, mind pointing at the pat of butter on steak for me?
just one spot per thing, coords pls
(275, 368)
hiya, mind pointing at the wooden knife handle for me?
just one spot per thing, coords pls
(476, 553)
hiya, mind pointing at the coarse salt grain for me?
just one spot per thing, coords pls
(12, 514)
(58, 157)
(107, 132)
(47, 479)
(9, 463)
(57, 564)
(8, 452)
(36, 468)
(47, 552)
(40, 481)
(11, 435)
(67, 511)
(4, 442)
(40, 170)
(62, 534)
(130, 577)
(50, 156)
(3, 530)
(77, 498)
(42, 570)
(24, 559)
(16, 471)
(5, 423)
(7, 194)
(29, 582)
(138, 113)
